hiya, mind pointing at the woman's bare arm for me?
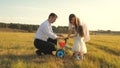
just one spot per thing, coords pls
(70, 32)
(73, 36)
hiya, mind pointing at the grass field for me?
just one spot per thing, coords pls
(17, 51)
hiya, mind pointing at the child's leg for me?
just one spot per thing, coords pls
(76, 54)
(81, 55)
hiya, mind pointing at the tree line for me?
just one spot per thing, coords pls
(32, 28)
(59, 29)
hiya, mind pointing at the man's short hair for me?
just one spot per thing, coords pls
(52, 15)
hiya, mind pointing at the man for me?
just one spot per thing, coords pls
(45, 39)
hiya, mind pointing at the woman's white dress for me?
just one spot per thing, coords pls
(79, 45)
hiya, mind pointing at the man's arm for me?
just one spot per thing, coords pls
(50, 34)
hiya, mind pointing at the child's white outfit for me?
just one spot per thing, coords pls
(79, 45)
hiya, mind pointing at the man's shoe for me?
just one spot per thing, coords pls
(38, 53)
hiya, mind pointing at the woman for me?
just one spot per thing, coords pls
(80, 37)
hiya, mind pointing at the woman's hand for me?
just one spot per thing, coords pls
(60, 35)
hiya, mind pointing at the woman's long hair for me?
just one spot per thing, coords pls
(78, 27)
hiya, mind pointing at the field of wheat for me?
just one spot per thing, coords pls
(17, 51)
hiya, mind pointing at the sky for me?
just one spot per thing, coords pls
(97, 14)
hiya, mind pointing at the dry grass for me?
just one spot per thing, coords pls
(17, 51)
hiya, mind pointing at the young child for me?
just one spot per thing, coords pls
(80, 37)
(79, 46)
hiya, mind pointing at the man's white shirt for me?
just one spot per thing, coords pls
(45, 31)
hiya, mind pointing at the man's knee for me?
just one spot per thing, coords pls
(36, 43)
